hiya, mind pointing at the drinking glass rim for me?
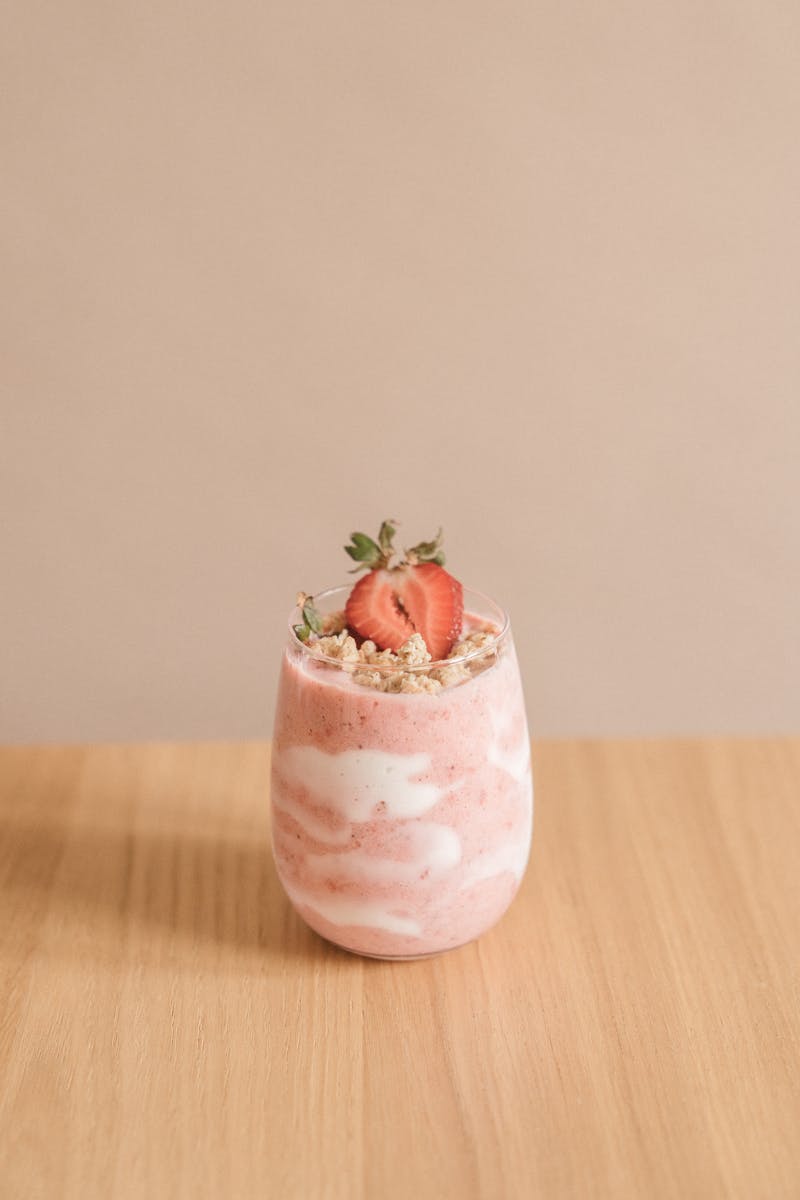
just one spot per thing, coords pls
(388, 668)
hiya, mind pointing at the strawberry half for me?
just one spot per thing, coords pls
(373, 611)
(392, 602)
(434, 601)
(388, 606)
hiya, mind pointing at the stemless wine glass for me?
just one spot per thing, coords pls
(401, 822)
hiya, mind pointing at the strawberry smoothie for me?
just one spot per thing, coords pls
(401, 822)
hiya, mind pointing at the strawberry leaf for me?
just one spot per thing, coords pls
(428, 551)
(312, 621)
(386, 536)
(364, 550)
(311, 617)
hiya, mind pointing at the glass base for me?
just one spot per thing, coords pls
(395, 957)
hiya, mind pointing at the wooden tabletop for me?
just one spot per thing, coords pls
(168, 1026)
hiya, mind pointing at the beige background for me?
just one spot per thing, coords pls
(273, 272)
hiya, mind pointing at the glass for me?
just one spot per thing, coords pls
(401, 823)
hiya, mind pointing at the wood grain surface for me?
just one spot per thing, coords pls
(168, 1026)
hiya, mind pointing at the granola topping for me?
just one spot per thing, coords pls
(336, 642)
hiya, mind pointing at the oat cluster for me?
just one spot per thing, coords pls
(337, 642)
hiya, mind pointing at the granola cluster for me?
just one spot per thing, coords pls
(336, 642)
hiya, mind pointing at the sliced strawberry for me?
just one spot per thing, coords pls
(417, 596)
(373, 611)
(434, 601)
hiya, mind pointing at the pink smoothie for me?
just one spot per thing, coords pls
(401, 823)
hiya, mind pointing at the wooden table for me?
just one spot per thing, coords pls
(169, 1028)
